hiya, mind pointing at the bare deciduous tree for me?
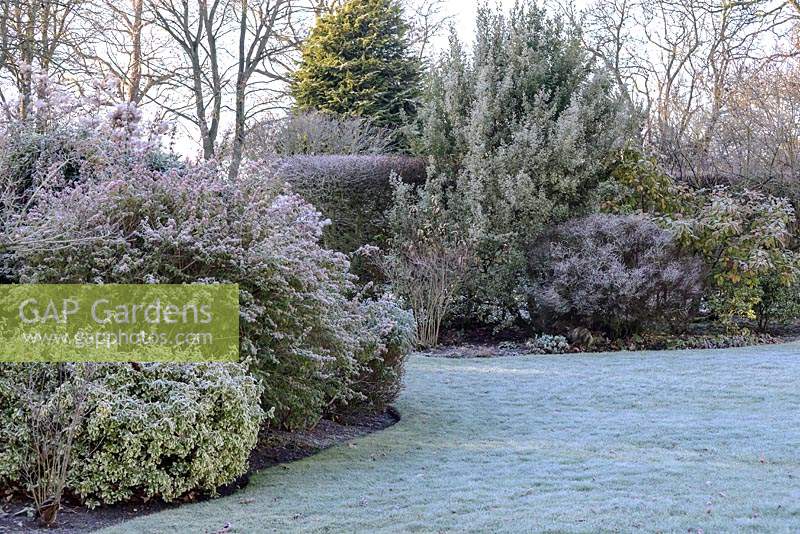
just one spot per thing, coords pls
(123, 43)
(35, 36)
(684, 63)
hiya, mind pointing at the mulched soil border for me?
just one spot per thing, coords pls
(275, 447)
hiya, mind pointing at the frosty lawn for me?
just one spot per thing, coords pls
(577, 443)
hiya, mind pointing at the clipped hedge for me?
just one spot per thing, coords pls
(152, 430)
(354, 192)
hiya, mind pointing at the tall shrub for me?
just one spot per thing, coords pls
(192, 225)
(357, 62)
(522, 130)
(745, 239)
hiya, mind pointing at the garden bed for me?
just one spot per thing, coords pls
(275, 447)
(482, 344)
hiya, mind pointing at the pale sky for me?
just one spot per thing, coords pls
(463, 12)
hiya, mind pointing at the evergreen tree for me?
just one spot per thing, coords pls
(357, 62)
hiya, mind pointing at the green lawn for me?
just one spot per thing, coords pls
(669, 441)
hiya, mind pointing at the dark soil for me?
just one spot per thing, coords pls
(275, 447)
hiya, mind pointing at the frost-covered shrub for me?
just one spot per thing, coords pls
(612, 273)
(745, 239)
(354, 192)
(65, 141)
(548, 344)
(162, 430)
(314, 134)
(193, 225)
(523, 129)
(13, 434)
(300, 324)
(151, 430)
(388, 334)
(429, 260)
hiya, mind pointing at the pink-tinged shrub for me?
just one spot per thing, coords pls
(612, 273)
(300, 325)
(65, 141)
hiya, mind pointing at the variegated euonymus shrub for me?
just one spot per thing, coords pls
(164, 430)
(153, 430)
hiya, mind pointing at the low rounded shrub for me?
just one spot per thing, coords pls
(548, 344)
(151, 430)
(162, 430)
(612, 273)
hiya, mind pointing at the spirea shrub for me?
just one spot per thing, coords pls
(354, 192)
(612, 273)
(151, 430)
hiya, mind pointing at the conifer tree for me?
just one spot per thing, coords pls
(357, 62)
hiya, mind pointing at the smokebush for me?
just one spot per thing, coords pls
(612, 273)
(354, 192)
